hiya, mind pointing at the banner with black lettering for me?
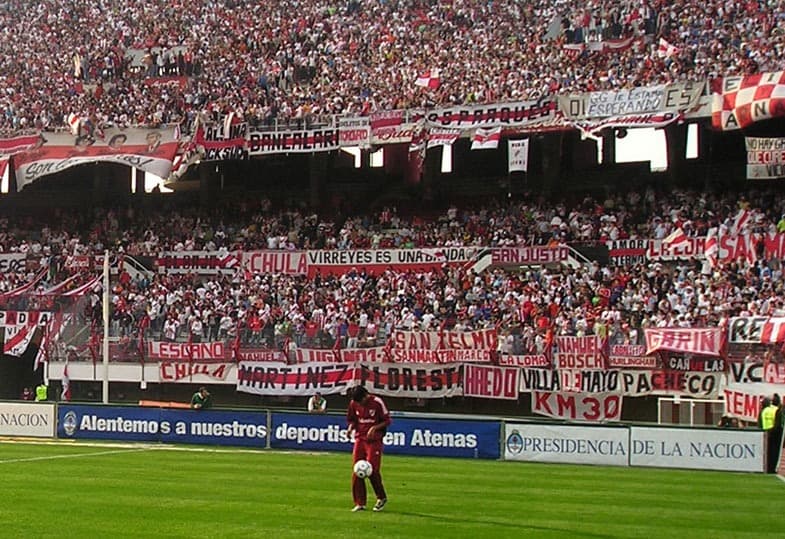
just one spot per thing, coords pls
(519, 114)
(756, 330)
(13, 262)
(746, 99)
(151, 150)
(374, 354)
(535, 255)
(627, 252)
(630, 383)
(375, 261)
(303, 141)
(416, 380)
(595, 407)
(268, 378)
(642, 100)
(765, 158)
(222, 140)
(756, 372)
(19, 328)
(490, 382)
(198, 262)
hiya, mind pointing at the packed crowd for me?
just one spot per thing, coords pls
(153, 61)
(528, 306)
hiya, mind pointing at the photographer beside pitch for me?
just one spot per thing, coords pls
(368, 418)
(202, 400)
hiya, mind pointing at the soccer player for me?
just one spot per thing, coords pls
(368, 418)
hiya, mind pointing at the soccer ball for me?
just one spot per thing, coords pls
(362, 469)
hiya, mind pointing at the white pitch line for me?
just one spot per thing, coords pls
(781, 478)
(73, 456)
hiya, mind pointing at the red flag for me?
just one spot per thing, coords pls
(337, 348)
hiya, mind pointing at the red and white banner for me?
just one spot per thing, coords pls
(743, 401)
(745, 99)
(197, 372)
(276, 262)
(268, 378)
(533, 360)
(386, 119)
(400, 133)
(486, 138)
(22, 143)
(536, 255)
(483, 339)
(223, 140)
(310, 141)
(580, 353)
(429, 79)
(19, 328)
(507, 115)
(490, 382)
(199, 262)
(654, 120)
(666, 49)
(151, 150)
(756, 330)
(354, 131)
(704, 342)
(161, 350)
(442, 137)
(626, 356)
(375, 261)
(765, 158)
(599, 407)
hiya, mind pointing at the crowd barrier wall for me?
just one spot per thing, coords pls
(409, 434)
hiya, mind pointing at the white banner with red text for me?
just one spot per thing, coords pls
(193, 372)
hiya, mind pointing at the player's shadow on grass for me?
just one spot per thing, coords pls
(511, 525)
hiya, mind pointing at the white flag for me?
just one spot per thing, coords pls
(442, 137)
(518, 155)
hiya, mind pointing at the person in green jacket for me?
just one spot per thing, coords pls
(202, 400)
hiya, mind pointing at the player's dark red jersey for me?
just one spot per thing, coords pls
(363, 418)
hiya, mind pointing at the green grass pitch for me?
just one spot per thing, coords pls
(85, 491)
